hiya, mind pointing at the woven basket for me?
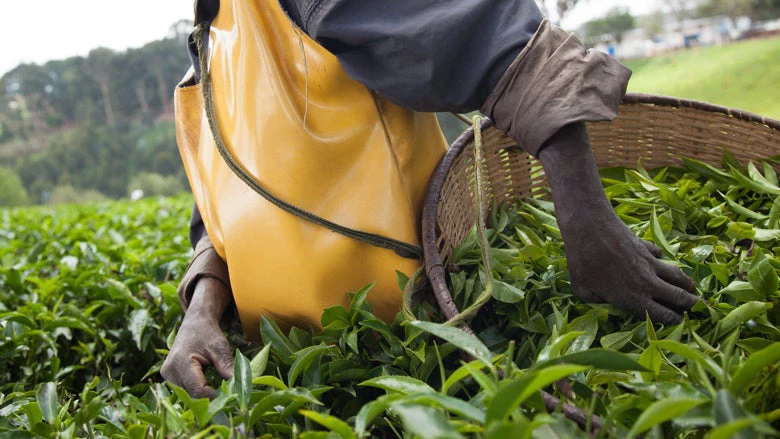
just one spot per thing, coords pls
(656, 129)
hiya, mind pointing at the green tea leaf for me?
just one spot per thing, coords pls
(733, 429)
(306, 357)
(516, 429)
(597, 359)
(763, 278)
(769, 172)
(658, 235)
(199, 406)
(651, 360)
(282, 398)
(727, 410)
(460, 374)
(331, 423)
(774, 214)
(741, 314)
(511, 394)
(556, 346)
(359, 298)
(756, 186)
(662, 411)
(242, 377)
(335, 318)
(400, 384)
(588, 325)
(279, 343)
(370, 411)
(425, 422)
(756, 176)
(272, 381)
(740, 230)
(452, 405)
(692, 355)
(47, 401)
(260, 361)
(764, 235)
(472, 345)
(507, 293)
(402, 280)
(741, 210)
(616, 340)
(742, 291)
(139, 319)
(708, 171)
(751, 368)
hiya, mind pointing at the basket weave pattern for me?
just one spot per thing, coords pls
(656, 129)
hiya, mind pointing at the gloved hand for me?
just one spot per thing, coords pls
(607, 262)
(200, 341)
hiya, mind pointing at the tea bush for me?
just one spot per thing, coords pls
(88, 308)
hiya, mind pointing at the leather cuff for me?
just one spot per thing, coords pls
(554, 82)
(205, 263)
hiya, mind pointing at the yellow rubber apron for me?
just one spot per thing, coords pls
(315, 138)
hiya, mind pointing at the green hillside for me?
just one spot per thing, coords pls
(742, 75)
(99, 124)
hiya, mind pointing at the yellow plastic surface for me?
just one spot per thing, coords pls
(316, 139)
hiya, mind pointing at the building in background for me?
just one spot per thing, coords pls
(675, 35)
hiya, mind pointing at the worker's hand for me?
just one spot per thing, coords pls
(607, 262)
(200, 341)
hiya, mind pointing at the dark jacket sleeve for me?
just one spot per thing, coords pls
(426, 55)
(500, 56)
(197, 228)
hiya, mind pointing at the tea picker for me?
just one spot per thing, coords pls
(307, 133)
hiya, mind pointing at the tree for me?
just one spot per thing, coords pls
(653, 24)
(94, 121)
(99, 67)
(755, 9)
(615, 24)
(67, 194)
(152, 184)
(556, 10)
(682, 9)
(13, 193)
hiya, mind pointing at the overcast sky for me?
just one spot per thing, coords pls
(41, 30)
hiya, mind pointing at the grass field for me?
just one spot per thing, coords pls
(744, 75)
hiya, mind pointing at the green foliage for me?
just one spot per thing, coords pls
(617, 22)
(755, 9)
(87, 303)
(67, 194)
(155, 184)
(740, 75)
(93, 122)
(13, 192)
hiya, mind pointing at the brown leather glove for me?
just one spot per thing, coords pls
(607, 262)
(200, 341)
(205, 296)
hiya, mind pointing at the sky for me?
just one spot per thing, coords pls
(36, 31)
(41, 30)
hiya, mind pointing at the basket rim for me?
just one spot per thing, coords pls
(434, 266)
(671, 101)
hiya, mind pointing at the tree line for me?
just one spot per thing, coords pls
(93, 123)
